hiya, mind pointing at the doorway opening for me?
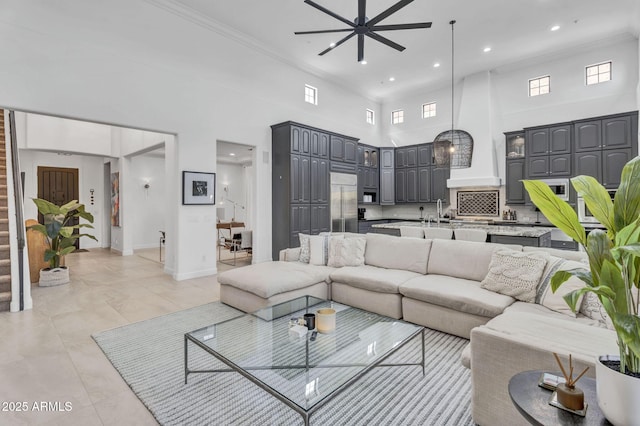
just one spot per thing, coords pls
(236, 204)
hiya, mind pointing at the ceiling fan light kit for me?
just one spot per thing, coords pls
(362, 26)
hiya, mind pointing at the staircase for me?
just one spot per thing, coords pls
(5, 261)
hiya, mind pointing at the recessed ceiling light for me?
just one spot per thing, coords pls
(392, 79)
(363, 62)
(555, 28)
(486, 49)
(436, 65)
(232, 154)
(332, 45)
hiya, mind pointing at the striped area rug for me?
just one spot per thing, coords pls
(149, 355)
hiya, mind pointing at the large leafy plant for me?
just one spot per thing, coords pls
(58, 230)
(614, 255)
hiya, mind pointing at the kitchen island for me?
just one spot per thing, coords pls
(538, 236)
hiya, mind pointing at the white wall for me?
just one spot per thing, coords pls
(171, 76)
(89, 177)
(232, 177)
(148, 204)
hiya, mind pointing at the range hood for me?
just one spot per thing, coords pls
(476, 118)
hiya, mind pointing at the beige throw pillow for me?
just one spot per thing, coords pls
(304, 248)
(592, 308)
(555, 301)
(346, 252)
(319, 248)
(515, 274)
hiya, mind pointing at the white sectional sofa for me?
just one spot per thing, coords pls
(437, 283)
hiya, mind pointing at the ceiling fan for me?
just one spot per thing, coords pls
(363, 26)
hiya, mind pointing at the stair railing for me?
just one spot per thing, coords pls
(17, 190)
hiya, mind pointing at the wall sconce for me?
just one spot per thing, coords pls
(147, 186)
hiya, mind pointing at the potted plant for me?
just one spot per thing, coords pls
(58, 231)
(614, 276)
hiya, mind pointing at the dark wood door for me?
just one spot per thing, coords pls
(59, 186)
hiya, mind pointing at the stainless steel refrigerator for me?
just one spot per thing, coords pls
(344, 202)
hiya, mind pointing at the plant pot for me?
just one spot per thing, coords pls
(56, 276)
(618, 394)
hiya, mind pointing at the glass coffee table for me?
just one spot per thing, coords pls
(302, 373)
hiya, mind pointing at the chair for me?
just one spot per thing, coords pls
(411, 231)
(438, 233)
(478, 235)
(237, 241)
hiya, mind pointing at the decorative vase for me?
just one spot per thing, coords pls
(56, 276)
(618, 394)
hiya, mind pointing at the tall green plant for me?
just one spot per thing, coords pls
(614, 255)
(58, 230)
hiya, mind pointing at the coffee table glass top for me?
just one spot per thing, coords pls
(305, 372)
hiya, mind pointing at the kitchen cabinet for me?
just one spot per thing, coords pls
(613, 161)
(319, 180)
(406, 157)
(343, 149)
(406, 185)
(368, 174)
(425, 155)
(301, 168)
(424, 184)
(401, 186)
(412, 185)
(549, 166)
(387, 176)
(610, 132)
(515, 192)
(548, 140)
(589, 163)
(439, 188)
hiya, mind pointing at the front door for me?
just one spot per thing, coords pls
(59, 186)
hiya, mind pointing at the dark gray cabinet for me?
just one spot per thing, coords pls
(537, 141)
(588, 135)
(387, 176)
(300, 180)
(406, 157)
(548, 151)
(616, 132)
(343, 149)
(412, 185)
(424, 184)
(401, 185)
(549, 166)
(439, 188)
(319, 180)
(515, 192)
(368, 174)
(425, 155)
(606, 133)
(613, 161)
(588, 163)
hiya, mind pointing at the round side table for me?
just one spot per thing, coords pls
(532, 402)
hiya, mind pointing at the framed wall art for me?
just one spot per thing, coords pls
(198, 188)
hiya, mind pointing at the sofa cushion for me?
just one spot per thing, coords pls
(346, 252)
(269, 278)
(578, 256)
(372, 278)
(515, 274)
(534, 308)
(456, 293)
(461, 259)
(407, 254)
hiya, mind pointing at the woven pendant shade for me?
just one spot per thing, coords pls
(454, 149)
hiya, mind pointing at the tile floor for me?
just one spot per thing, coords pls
(47, 354)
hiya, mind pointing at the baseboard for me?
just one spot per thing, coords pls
(122, 253)
(195, 274)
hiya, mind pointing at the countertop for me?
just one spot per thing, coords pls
(511, 231)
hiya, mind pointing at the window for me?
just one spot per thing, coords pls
(371, 117)
(429, 110)
(598, 73)
(539, 86)
(310, 94)
(397, 116)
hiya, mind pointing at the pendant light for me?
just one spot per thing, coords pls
(453, 148)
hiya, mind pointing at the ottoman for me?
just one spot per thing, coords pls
(253, 287)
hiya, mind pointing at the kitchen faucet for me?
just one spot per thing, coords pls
(438, 210)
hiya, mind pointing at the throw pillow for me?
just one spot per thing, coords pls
(319, 248)
(304, 248)
(592, 308)
(515, 274)
(346, 252)
(555, 301)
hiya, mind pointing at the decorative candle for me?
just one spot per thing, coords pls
(326, 320)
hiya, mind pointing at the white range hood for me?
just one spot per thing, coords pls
(476, 118)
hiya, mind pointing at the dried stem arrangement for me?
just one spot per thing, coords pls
(570, 382)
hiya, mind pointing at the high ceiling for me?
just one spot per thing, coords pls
(516, 30)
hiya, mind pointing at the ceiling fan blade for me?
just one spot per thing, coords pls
(330, 13)
(323, 31)
(360, 47)
(393, 9)
(337, 44)
(386, 41)
(362, 7)
(401, 26)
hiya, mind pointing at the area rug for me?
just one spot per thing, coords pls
(149, 355)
